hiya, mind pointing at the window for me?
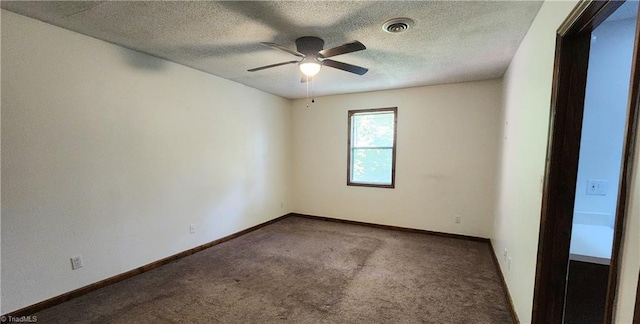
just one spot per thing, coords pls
(372, 147)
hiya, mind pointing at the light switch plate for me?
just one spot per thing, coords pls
(597, 187)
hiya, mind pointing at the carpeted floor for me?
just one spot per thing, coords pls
(301, 270)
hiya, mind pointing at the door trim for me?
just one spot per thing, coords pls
(565, 127)
(636, 315)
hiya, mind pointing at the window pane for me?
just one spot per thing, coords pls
(372, 166)
(373, 130)
(372, 147)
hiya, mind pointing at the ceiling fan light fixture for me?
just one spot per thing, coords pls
(309, 67)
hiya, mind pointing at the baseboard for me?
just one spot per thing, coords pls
(30, 310)
(514, 315)
(395, 228)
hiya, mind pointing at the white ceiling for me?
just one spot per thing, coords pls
(451, 41)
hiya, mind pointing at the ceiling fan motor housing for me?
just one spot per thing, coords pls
(309, 45)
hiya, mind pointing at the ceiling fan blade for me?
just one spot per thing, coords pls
(282, 48)
(345, 67)
(342, 49)
(270, 66)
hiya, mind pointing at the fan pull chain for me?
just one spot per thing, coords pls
(307, 83)
(313, 100)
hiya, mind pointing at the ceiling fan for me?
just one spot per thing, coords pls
(310, 49)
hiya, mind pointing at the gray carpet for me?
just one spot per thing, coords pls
(301, 270)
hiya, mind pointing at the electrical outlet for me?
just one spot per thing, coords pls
(76, 262)
(192, 229)
(597, 187)
(505, 254)
(458, 218)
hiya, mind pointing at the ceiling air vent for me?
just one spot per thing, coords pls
(397, 25)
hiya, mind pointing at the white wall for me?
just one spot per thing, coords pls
(604, 120)
(527, 98)
(447, 140)
(111, 154)
(630, 266)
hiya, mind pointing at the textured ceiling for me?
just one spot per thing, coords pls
(451, 41)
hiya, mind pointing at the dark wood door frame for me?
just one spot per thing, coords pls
(567, 107)
(636, 315)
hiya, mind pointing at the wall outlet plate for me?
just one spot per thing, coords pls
(192, 229)
(76, 262)
(597, 187)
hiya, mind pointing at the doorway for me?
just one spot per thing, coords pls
(599, 162)
(593, 119)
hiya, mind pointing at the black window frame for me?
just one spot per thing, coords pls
(350, 115)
